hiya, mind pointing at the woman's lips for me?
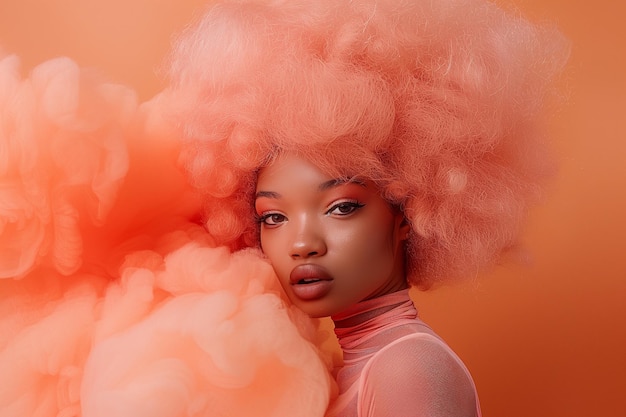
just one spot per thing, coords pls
(310, 282)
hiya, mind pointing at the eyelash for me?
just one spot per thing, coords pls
(351, 205)
(262, 219)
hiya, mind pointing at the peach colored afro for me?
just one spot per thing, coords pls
(438, 102)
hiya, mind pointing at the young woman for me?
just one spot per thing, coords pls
(368, 146)
(338, 250)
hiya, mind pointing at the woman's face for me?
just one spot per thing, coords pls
(331, 242)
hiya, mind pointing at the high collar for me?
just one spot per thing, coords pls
(368, 318)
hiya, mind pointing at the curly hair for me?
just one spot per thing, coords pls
(438, 102)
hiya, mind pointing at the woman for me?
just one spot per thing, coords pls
(337, 248)
(367, 147)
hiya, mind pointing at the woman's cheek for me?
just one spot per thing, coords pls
(272, 248)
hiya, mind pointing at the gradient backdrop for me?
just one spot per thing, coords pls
(545, 339)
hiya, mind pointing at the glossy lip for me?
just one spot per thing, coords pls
(309, 272)
(319, 285)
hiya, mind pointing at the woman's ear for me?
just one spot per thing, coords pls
(404, 227)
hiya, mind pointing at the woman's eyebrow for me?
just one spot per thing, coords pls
(340, 181)
(268, 194)
(322, 187)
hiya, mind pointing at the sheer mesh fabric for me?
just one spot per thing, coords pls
(395, 365)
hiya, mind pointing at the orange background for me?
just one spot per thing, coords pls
(546, 339)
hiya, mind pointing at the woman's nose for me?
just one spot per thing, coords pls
(308, 241)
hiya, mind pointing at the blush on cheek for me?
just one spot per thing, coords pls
(372, 249)
(268, 247)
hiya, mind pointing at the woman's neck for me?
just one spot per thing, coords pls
(364, 320)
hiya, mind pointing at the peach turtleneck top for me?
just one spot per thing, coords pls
(395, 365)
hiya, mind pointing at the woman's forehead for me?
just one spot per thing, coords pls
(292, 166)
(333, 163)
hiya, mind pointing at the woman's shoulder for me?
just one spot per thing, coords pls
(417, 374)
(421, 353)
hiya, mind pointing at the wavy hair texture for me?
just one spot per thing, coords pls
(438, 102)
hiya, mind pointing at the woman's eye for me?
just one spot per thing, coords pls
(345, 208)
(273, 219)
